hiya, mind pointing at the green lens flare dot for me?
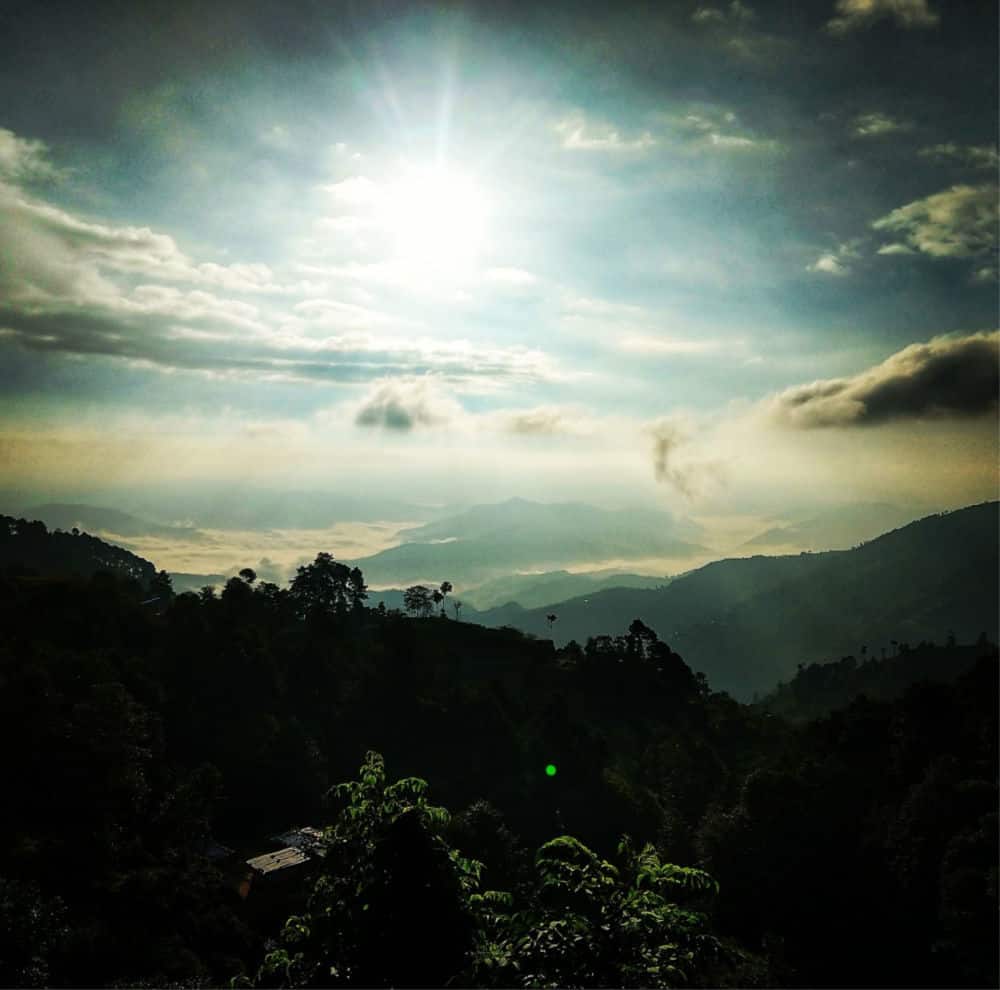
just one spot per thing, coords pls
(550, 769)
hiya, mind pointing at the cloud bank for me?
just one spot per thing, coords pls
(853, 15)
(947, 376)
(960, 222)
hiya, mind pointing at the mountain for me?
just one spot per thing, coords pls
(28, 547)
(538, 590)
(836, 529)
(820, 688)
(487, 541)
(234, 507)
(747, 623)
(182, 582)
(93, 518)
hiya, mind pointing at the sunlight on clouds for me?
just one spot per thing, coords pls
(425, 222)
(437, 220)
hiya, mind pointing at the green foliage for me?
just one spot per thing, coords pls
(860, 847)
(590, 924)
(392, 904)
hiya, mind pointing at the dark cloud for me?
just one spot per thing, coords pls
(948, 376)
(402, 404)
(688, 476)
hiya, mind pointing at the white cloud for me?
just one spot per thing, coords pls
(966, 156)
(837, 262)
(79, 287)
(715, 128)
(891, 249)
(579, 134)
(960, 222)
(870, 125)
(548, 420)
(358, 190)
(733, 12)
(654, 344)
(516, 278)
(855, 14)
(23, 160)
(829, 264)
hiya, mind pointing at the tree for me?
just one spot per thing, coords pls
(392, 905)
(456, 607)
(357, 590)
(162, 587)
(444, 591)
(551, 618)
(418, 600)
(322, 587)
(249, 575)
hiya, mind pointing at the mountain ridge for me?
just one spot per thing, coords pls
(913, 583)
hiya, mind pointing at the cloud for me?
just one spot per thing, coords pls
(965, 156)
(355, 191)
(543, 421)
(734, 12)
(673, 466)
(960, 222)
(837, 262)
(24, 160)
(829, 264)
(579, 134)
(947, 376)
(81, 287)
(869, 125)
(401, 404)
(651, 344)
(891, 249)
(855, 14)
(715, 128)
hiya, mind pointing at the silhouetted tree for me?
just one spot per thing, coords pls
(418, 600)
(357, 590)
(322, 587)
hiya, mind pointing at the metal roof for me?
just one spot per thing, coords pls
(282, 859)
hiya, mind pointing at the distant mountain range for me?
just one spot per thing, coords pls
(747, 623)
(538, 590)
(96, 519)
(247, 509)
(836, 529)
(488, 541)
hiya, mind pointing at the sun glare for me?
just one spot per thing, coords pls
(436, 220)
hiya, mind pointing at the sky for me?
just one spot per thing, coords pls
(718, 256)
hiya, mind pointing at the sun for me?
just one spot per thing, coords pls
(436, 221)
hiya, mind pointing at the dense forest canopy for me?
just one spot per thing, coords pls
(679, 838)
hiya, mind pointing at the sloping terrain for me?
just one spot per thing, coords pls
(747, 623)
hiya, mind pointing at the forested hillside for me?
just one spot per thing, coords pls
(29, 548)
(859, 849)
(747, 623)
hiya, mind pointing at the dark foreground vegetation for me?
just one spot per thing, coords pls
(611, 821)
